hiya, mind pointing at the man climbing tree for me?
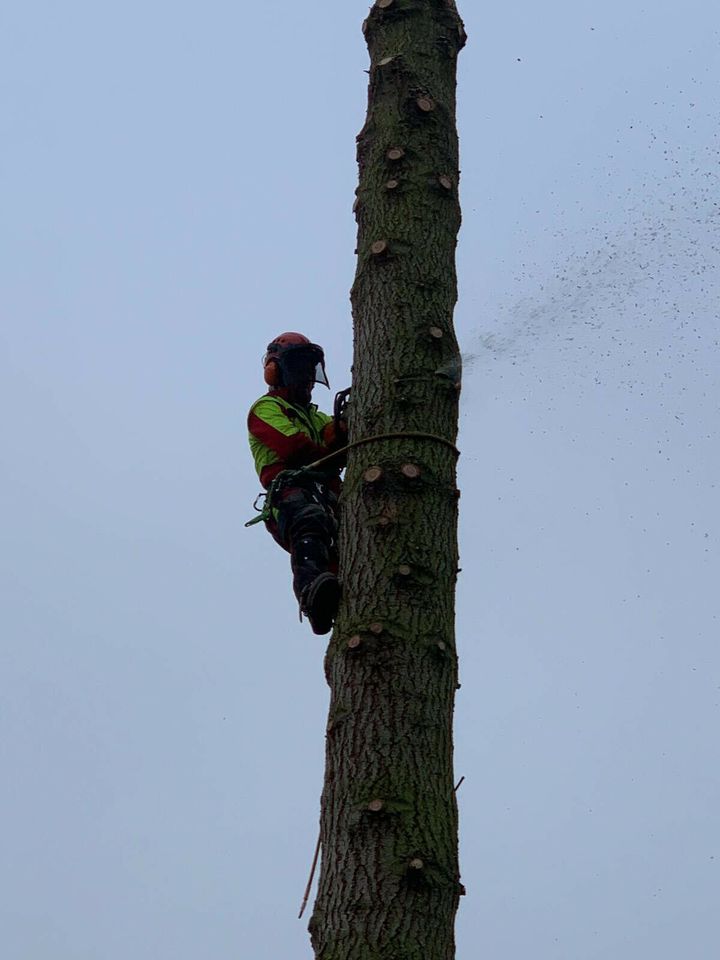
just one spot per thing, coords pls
(287, 434)
(389, 885)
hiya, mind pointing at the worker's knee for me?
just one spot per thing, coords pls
(300, 515)
(312, 520)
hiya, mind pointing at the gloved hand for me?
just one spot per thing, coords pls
(335, 435)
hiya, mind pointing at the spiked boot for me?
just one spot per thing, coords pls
(316, 588)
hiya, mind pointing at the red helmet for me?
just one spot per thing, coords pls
(292, 360)
(288, 340)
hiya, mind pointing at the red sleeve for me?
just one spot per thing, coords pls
(295, 450)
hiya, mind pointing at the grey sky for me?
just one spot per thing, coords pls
(177, 184)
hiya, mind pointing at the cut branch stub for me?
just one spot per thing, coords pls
(411, 471)
(372, 474)
(385, 61)
(379, 247)
(384, 4)
(445, 182)
(416, 864)
(392, 184)
(441, 645)
(376, 628)
(356, 204)
(354, 642)
(404, 570)
(426, 104)
(375, 806)
(395, 154)
(436, 333)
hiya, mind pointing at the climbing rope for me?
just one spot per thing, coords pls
(385, 436)
(304, 474)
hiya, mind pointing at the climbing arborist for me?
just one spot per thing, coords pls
(288, 433)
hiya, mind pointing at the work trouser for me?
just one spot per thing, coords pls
(305, 525)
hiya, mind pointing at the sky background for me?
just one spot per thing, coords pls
(177, 183)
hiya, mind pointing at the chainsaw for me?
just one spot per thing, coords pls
(341, 407)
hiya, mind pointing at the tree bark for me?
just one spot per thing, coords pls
(389, 883)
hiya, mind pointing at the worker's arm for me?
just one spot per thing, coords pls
(278, 443)
(335, 436)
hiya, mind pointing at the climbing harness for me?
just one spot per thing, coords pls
(303, 477)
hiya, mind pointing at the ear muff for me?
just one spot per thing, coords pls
(273, 374)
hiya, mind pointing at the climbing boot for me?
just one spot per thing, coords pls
(319, 602)
(315, 586)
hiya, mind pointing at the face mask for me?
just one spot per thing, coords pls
(303, 364)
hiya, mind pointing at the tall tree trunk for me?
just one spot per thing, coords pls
(390, 883)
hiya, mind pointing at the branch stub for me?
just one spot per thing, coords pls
(404, 570)
(392, 184)
(445, 182)
(416, 864)
(354, 642)
(385, 61)
(372, 474)
(384, 4)
(376, 628)
(410, 470)
(436, 333)
(425, 104)
(395, 154)
(379, 247)
(375, 806)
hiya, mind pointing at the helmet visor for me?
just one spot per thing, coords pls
(302, 364)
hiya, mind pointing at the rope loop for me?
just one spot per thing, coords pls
(385, 436)
(288, 476)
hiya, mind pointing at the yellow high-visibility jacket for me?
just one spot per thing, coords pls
(285, 435)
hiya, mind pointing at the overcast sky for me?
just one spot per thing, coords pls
(177, 183)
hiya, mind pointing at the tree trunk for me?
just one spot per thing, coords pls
(390, 883)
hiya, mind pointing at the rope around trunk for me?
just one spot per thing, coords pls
(285, 476)
(384, 436)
